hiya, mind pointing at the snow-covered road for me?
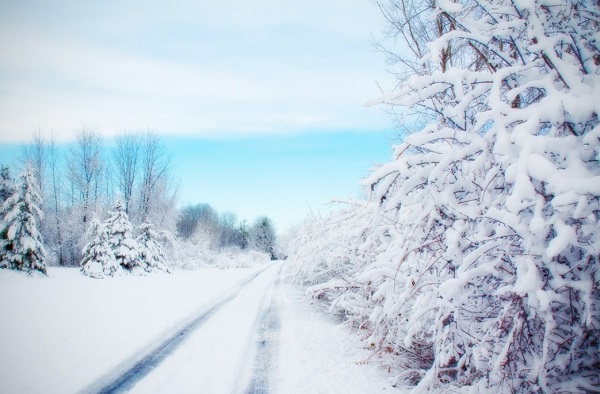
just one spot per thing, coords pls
(217, 340)
(232, 331)
(264, 362)
(148, 372)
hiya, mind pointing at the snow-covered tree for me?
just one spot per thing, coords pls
(121, 241)
(98, 257)
(151, 254)
(35, 154)
(500, 193)
(157, 191)
(196, 217)
(243, 235)
(7, 184)
(56, 233)
(485, 225)
(125, 159)
(21, 244)
(85, 164)
(262, 236)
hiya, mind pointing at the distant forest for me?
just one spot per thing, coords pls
(83, 182)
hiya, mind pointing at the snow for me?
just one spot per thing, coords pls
(69, 331)
(213, 356)
(565, 235)
(189, 256)
(318, 356)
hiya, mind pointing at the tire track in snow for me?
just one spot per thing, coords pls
(142, 366)
(266, 347)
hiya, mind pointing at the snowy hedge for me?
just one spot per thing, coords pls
(475, 261)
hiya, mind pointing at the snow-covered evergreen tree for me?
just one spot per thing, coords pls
(262, 236)
(151, 254)
(121, 241)
(7, 184)
(21, 244)
(98, 258)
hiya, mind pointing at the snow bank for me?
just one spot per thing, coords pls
(60, 333)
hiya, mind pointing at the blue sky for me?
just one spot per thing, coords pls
(277, 86)
(282, 176)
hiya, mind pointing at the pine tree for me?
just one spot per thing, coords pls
(262, 234)
(7, 184)
(98, 258)
(151, 254)
(21, 244)
(120, 240)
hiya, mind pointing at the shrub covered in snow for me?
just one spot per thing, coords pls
(331, 248)
(197, 253)
(475, 261)
(21, 244)
(238, 258)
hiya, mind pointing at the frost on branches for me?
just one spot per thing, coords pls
(485, 226)
(21, 244)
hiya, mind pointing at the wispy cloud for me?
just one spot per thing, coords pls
(187, 67)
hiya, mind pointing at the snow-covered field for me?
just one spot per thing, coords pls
(63, 333)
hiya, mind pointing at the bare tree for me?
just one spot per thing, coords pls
(125, 160)
(229, 235)
(56, 186)
(193, 217)
(155, 167)
(35, 152)
(85, 165)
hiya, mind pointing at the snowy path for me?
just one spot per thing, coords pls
(266, 347)
(214, 358)
(205, 331)
(68, 330)
(127, 379)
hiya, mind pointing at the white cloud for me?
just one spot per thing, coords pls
(190, 67)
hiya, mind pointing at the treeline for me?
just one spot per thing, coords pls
(201, 223)
(82, 182)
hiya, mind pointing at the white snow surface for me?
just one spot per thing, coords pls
(62, 333)
(318, 355)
